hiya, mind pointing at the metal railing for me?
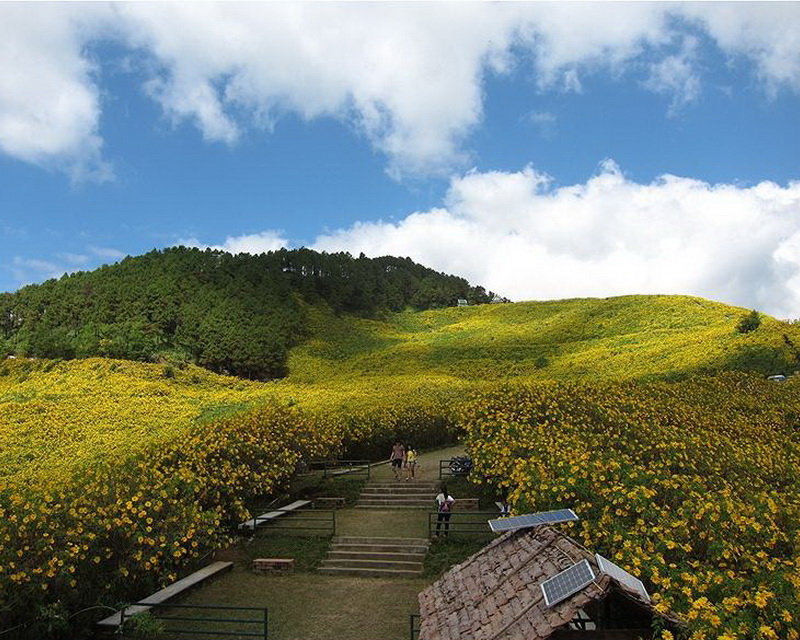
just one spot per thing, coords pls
(334, 468)
(413, 626)
(311, 521)
(215, 625)
(460, 523)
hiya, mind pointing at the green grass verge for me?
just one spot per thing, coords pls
(447, 553)
(307, 551)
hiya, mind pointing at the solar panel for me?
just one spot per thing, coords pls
(570, 581)
(623, 577)
(532, 520)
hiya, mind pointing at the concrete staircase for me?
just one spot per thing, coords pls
(414, 494)
(376, 557)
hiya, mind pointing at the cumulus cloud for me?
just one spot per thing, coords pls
(764, 32)
(106, 252)
(253, 243)
(408, 77)
(28, 270)
(49, 101)
(677, 77)
(520, 236)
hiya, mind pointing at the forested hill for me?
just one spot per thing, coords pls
(236, 314)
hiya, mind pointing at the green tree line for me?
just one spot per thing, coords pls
(237, 314)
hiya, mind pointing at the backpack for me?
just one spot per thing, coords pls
(445, 506)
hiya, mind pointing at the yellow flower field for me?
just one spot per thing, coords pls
(691, 486)
(117, 476)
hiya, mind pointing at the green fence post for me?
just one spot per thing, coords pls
(266, 622)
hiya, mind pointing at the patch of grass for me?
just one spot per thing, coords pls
(464, 487)
(314, 486)
(307, 551)
(406, 523)
(446, 553)
(308, 605)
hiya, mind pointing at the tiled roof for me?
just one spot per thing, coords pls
(496, 594)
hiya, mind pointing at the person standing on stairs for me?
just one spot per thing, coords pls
(411, 462)
(397, 458)
(444, 502)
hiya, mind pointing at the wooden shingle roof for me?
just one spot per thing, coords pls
(496, 593)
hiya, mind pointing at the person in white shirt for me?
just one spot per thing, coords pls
(444, 502)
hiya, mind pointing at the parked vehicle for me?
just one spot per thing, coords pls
(460, 465)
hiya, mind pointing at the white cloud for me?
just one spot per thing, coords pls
(106, 252)
(30, 270)
(546, 122)
(73, 258)
(27, 270)
(254, 243)
(765, 32)
(49, 103)
(406, 76)
(676, 76)
(519, 236)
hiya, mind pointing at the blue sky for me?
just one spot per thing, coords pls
(542, 150)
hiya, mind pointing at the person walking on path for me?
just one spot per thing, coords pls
(444, 506)
(397, 458)
(411, 462)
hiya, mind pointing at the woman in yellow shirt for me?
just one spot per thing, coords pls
(411, 462)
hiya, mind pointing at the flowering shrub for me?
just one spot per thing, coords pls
(691, 486)
(116, 478)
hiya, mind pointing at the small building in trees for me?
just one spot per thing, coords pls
(497, 594)
(462, 302)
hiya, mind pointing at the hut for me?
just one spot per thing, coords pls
(497, 594)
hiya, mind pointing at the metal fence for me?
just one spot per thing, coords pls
(460, 523)
(319, 522)
(413, 626)
(202, 620)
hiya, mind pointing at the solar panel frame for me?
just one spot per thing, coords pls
(532, 520)
(567, 583)
(623, 577)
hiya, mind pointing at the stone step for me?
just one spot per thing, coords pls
(385, 556)
(427, 486)
(398, 496)
(392, 491)
(369, 573)
(397, 501)
(383, 507)
(379, 540)
(343, 547)
(372, 564)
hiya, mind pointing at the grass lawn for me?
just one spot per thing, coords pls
(310, 606)
(382, 524)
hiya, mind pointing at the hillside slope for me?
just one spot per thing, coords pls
(231, 314)
(623, 337)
